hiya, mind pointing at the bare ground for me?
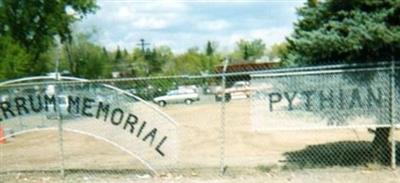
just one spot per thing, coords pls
(248, 155)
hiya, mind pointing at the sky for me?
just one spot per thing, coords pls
(184, 24)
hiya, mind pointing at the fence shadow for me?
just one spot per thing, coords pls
(343, 153)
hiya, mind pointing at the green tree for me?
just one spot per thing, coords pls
(187, 63)
(249, 50)
(118, 56)
(89, 60)
(277, 51)
(13, 59)
(35, 24)
(159, 57)
(140, 67)
(126, 54)
(210, 48)
(152, 61)
(343, 31)
(192, 62)
(120, 61)
(212, 57)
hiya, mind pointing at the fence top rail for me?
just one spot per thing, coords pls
(316, 72)
(330, 68)
(46, 80)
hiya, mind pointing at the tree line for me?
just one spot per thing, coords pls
(327, 32)
(86, 59)
(81, 57)
(31, 33)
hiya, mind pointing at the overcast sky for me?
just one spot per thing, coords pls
(187, 23)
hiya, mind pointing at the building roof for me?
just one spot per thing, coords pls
(246, 67)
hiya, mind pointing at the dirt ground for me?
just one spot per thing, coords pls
(247, 155)
(331, 175)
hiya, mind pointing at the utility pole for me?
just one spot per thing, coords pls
(142, 44)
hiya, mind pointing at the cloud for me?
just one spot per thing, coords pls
(271, 35)
(183, 24)
(140, 14)
(150, 23)
(212, 25)
(161, 6)
(124, 13)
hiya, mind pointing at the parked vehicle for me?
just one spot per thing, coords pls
(187, 96)
(239, 90)
(213, 90)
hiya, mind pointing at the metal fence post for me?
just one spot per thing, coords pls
(61, 134)
(392, 114)
(222, 132)
(60, 120)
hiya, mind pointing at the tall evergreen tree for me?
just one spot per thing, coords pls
(209, 49)
(343, 31)
(348, 31)
(118, 56)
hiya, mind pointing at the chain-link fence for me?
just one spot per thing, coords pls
(254, 122)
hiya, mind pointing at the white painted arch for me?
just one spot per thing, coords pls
(25, 81)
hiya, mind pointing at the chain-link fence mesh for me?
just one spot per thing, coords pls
(275, 123)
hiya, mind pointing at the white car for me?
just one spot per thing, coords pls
(239, 90)
(187, 96)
